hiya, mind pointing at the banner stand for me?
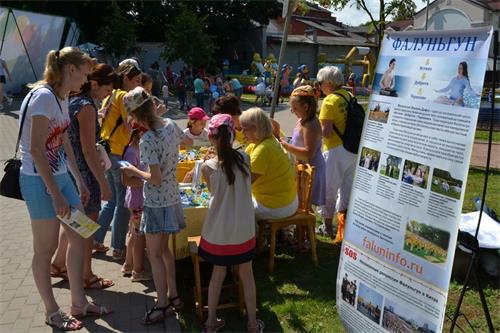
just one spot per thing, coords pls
(468, 241)
(11, 12)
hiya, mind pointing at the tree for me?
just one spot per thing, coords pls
(187, 39)
(118, 35)
(396, 9)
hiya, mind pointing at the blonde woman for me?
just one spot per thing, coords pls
(46, 186)
(273, 178)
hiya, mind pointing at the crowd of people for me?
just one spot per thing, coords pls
(80, 103)
(193, 86)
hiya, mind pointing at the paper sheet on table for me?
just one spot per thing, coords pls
(489, 232)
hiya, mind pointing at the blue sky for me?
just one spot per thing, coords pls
(370, 295)
(350, 15)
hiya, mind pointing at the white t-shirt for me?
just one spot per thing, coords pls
(43, 103)
(198, 140)
(164, 90)
(162, 148)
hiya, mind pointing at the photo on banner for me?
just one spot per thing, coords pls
(409, 183)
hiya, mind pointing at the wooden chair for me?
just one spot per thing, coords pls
(194, 243)
(303, 218)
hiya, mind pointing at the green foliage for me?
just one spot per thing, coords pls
(187, 39)
(118, 36)
(434, 235)
(400, 10)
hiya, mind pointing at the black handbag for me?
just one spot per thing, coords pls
(9, 185)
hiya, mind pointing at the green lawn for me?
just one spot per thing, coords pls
(474, 188)
(438, 189)
(299, 297)
(483, 135)
(296, 297)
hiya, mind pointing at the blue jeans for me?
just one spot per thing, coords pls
(114, 210)
(199, 99)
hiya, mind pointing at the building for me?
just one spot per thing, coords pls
(459, 14)
(313, 33)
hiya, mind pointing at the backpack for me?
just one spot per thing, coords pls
(353, 125)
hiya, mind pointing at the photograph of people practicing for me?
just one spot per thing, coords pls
(457, 87)
(369, 159)
(415, 174)
(348, 290)
(388, 80)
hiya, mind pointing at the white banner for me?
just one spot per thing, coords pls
(408, 190)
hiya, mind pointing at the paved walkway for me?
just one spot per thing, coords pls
(21, 309)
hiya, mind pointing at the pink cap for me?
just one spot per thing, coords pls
(197, 114)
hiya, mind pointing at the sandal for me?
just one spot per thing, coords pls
(141, 276)
(119, 254)
(259, 328)
(59, 272)
(100, 248)
(220, 323)
(68, 323)
(147, 318)
(126, 272)
(85, 312)
(102, 283)
(180, 303)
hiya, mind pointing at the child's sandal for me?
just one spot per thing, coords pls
(180, 303)
(220, 323)
(259, 328)
(68, 323)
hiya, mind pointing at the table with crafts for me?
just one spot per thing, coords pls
(194, 199)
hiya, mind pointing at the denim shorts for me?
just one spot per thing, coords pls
(38, 200)
(163, 219)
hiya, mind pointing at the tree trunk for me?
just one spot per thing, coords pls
(381, 23)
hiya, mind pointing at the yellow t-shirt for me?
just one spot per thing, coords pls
(334, 108)
(275, 188)
(240, 137)
(121, 137)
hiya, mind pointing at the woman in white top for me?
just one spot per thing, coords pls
(46, 185)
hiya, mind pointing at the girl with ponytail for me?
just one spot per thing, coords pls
(162, 214)
(46, 186)
(228, 234)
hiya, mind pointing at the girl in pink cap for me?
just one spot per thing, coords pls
(228, 234)
(196, 127)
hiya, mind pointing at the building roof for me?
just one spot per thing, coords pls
(399, 25)
(331, 29)
(323, 40)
